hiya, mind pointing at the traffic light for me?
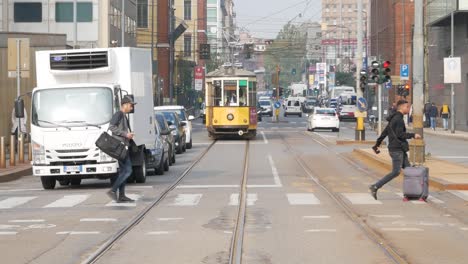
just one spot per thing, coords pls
(363, 80)
(386, 72)
(204, 51)
(406, 90)
(293, 71)
(375, 72)
(281, 91)
(316, 91)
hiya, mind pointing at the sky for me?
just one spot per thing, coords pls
(265, 18)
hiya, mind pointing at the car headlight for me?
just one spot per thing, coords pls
(38, 152)
(103, 157)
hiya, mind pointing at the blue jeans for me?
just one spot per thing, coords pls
(399, 160)
(445, 123)
(125, 170)
(433, 122)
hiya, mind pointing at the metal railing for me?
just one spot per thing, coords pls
(16, 150)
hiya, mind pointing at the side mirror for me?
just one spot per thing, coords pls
(19, 108)
(182, 124)
(191, 117)
(172, 127)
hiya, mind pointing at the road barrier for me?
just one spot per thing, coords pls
(2, 153)
(12, 150)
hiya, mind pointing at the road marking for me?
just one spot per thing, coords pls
(387, 216)
(302, 199)
(360, 198)
(226, 186)
(68, 201)
(265, 140)
(171, 219)
(9, 226)
(187, 199)
(201, 143)
(227, 232)
(460, 194)
(161, 232)
(8, 233)
(274, 171)
(98, 220)
(402, 229)
(230, 143)
(27, 221)
(430, 198)
(41, 226)
(15, 201)
(321, 231)
(251, 199)
(78, 233)
(316, 217)
(464, 228)
(135, 197)
(451, 157)
(22, 190)
(264, 186)
(139, 187)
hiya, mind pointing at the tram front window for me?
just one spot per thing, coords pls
(243, 96)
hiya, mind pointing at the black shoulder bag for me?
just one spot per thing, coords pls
(112, 146)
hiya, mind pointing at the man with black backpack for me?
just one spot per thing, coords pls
(397, 146)
(120, 129)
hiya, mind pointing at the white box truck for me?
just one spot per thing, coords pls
(77, 93)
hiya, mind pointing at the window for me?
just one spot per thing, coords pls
(142, 13)
(213, 2)
(212, 15)
(187, 45)
(187, 9)
(64, 12)
(28, 12)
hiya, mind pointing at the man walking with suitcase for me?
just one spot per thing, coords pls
(398, 145)
(119, 128)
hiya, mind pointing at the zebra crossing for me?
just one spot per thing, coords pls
(195, 199)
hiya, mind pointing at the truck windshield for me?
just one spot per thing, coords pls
(88, 106)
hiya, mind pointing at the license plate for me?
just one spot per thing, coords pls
(72, 168)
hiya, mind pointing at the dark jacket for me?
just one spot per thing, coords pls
(119, 127)
(396, 132)
(434, 111)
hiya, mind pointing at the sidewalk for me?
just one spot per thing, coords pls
(442, 174)
(15, 172)
(441, 132)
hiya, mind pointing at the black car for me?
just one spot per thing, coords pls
(169, 137)
(164, 144)
(177, 130)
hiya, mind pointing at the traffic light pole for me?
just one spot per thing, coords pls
(277, 92)
(360, 128)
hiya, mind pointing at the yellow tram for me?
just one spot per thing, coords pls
(231, 103)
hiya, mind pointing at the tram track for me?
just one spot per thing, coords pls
(370, 233)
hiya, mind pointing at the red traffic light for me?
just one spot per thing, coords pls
(386, 64)
(407, 86)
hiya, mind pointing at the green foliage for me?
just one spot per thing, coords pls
(345, 79)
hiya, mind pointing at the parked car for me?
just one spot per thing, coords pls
(184, 118)
(267, 106)
(163, 162)
(177, 129)
(169, 137)
(325, 118)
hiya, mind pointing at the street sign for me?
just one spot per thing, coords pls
(362, 104)
(452, 70)
(277, 105)
(388, 85)
(24, 57)
(199, 75)
(404, 72)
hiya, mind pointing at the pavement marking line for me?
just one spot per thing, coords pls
(274, 171)
(22, 190)
(98, 220)
(68, 201)
(302, 199)
(402, 229)
(170, 219)
(430, 198)
(8, 233)
(316, 217)
(265, 140)
(27, 221)
(9, 226)
(161, 232)
(227, 232)
(387, 216)
(321, 231)
(460, 194)
(135, 197)
(139, 187)
(252, 198)
(205, 186)
(264, 186)
(360, 198)
(187, 199)
(451, 157)
(78, 233)
(464, 228)
(15, 201)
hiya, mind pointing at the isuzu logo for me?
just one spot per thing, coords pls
(72, 145)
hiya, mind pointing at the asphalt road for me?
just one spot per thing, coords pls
(307, 203)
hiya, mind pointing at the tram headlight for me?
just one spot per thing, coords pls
(230, 117)
(245, 120)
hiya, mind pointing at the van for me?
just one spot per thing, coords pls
(293, 107)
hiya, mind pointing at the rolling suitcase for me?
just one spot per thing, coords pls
(416, 183)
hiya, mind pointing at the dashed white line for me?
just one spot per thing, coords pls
(321, 231)
(251, 199)
(464, 228)
(78, 233)
(15, 201)
(316, 217)
(98, 220)
(161, 232)
(170, 219)
(8, 233)
(302, 199)
(360, 198)
(402, 229)
(205, 186)
(387, 216)
(135, 197)
(265, 140)
(27, 221)
(68, 201)
(274, 171)
(187, 199)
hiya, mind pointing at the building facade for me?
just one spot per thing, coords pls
(99, 22)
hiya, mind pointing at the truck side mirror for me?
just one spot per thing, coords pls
(19, 108)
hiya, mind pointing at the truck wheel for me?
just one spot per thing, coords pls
(139, 172)
(64, 182)
(189, 145)
(48, 182)
(160, 169)
(75, 182)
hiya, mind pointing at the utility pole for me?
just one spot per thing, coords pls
(75, 25)
(417, 146)
(277, 91)
(122, 24)
(171, 52)
(340, 49)
(360, 129)
(452, 87)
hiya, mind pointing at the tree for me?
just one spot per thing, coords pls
(345, 79)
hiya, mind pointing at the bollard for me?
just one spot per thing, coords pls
(21, 148)
(30, 151)
(12, 151)
(2, 153)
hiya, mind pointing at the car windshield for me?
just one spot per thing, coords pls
(264, 103)
(312, 103)
(161, 122)
(181, 115)
(78, 106)
(170, 117)
(327, 112)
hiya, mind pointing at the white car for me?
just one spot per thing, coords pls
(180, 110)
(325, 118)
(293, 107)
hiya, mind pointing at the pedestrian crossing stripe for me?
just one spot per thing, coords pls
(302, 199)
(15, 201)
(135, 197)
(360, 198)
(68, 201)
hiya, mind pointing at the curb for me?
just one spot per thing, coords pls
(437, 183)
(355, 142)
(451, 136)
(15, 174)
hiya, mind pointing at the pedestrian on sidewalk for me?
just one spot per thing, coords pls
(433, 115)
(397, 146)
(445, 114)
(427, 114)
(18, 126)
(120, 130)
